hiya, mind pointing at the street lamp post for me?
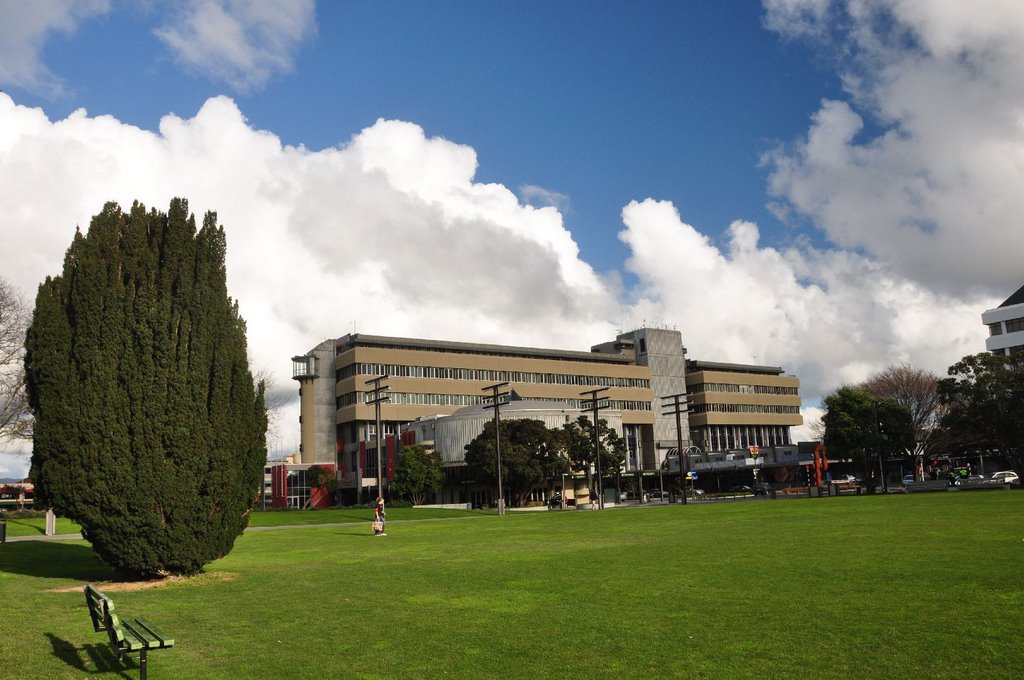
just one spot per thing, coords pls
(497, 403)
(686, 454)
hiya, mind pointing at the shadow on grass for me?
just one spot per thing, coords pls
(102, 658)
(54, 559)
(33, 527)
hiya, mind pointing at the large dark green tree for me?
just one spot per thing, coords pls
(531, 454)
(861, 427)
(984, 398)
(149, 429)
(417, 472)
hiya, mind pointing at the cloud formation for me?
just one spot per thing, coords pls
(24, 29)
(920, 165)
(242, 43)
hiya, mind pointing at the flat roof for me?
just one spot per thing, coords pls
(697, 365)
(363, 340)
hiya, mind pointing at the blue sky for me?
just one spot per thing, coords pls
(602, 102)
(830, 186)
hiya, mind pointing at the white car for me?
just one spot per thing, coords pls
(1005, 477)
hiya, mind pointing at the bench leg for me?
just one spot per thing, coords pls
(142, 665)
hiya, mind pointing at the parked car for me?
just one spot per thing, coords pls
(555, 501)
(740, 488)
(908, 480)
(1005, 477)
(655, 495)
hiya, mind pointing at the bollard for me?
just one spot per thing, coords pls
(3, 531)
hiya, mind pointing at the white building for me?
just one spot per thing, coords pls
(1006, 325)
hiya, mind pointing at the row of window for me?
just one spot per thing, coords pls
(1012, 326)
(420, 399)
(742, 389)
(447, 373)
(732, 437)
(743, 408)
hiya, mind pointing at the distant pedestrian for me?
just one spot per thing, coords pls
(379, 518)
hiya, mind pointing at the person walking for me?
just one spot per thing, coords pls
(379, 518)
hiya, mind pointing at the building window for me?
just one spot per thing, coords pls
(1015, 325)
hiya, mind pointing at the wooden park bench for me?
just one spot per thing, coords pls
(126, 637)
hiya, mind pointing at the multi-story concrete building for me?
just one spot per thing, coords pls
(735, 406)
(640, 373)
(1006, 325)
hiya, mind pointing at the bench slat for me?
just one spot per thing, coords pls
(138, 634)
(163, 639)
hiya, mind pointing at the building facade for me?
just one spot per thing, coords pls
(640, 374)
(736, 406)
(1006, 325)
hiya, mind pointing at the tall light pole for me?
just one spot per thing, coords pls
(678, 407)
(378, 397)
(595, 404)
(496, 403)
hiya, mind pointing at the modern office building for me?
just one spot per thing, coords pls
(640, 376)
(1006, 325)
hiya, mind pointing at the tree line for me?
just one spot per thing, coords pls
(532, 454)
(910, 413)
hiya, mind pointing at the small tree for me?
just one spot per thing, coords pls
(149, 429)
(862, 428)
(15, 415)
(322, 479)
(417, 472)
(919, 391)
(578, 437)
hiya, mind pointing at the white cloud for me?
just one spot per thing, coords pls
(24, 29)
(534, 195)
(829, 317)
(14, 459)
(239, 42)
(920, 165)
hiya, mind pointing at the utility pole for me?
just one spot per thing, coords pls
(595, 403)
(881, 436)
(498, 400)
(678, 407)
(378, 397)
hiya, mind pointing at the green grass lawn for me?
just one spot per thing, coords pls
(903, 586)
